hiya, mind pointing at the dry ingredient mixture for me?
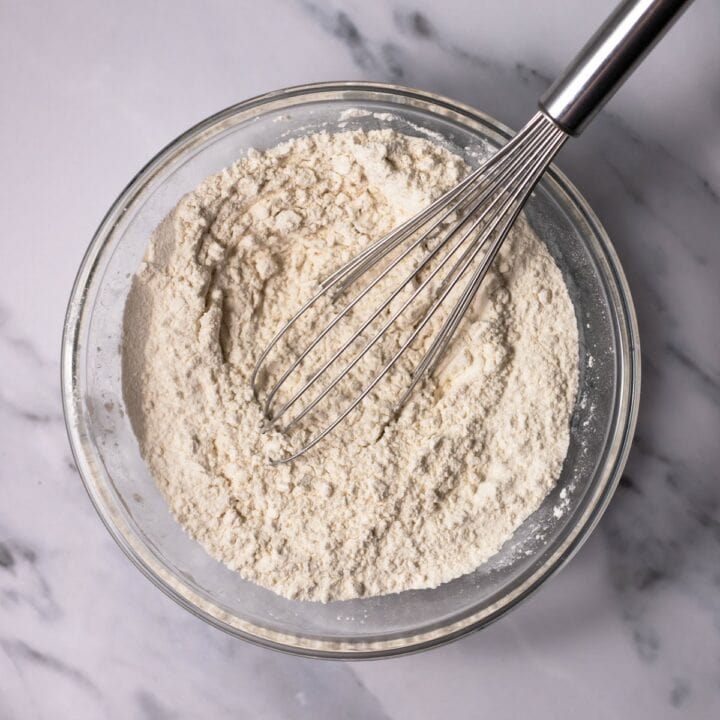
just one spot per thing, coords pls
(364, 513)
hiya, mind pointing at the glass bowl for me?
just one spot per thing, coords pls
(130, 504)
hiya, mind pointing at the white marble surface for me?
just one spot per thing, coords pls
(631, 628)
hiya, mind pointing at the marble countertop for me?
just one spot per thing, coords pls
(631, 628)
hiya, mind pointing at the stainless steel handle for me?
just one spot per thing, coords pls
(610, 55)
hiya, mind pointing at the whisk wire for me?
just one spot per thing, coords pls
(477, 203)
(359, 264)
(449, 327)
(488, 202)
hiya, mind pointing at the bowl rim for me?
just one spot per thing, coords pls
(619, 441)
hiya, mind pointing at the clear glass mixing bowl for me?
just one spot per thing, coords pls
(131, 506)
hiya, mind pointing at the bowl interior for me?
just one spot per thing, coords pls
(130, 503)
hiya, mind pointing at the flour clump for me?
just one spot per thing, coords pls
(364, 513)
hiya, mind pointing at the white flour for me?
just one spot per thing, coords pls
(364, 513)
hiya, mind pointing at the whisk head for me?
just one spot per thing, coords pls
(439, 257)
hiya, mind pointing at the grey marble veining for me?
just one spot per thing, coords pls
(631, 628)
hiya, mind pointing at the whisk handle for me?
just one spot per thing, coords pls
(610, 55)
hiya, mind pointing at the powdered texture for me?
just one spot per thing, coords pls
(433, 494)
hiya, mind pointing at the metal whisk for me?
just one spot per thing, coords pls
(459, 235)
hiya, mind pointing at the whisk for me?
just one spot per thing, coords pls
(458, 236)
